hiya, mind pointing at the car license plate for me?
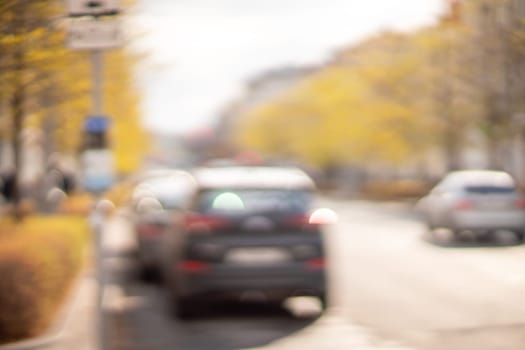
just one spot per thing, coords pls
(257, 256)
(494, 204)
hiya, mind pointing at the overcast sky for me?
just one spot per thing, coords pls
(202, 51)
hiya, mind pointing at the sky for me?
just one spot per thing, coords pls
(199, 53)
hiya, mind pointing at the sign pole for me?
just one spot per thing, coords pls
(97, 108)
(94, 27)
(97, 89)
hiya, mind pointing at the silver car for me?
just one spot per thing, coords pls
(479, 201)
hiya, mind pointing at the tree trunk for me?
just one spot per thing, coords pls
(17, 112)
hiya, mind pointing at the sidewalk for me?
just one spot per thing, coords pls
(79, 329)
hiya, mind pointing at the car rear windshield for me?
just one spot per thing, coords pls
(489, 189)
(242, 201)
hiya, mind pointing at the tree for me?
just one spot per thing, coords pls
(359, 110)
(26, 39)
(43, 84)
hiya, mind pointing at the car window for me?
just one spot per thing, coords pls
(489, 189)
(254, 200)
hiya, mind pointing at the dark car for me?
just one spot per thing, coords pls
(248, 232)
(156, 201)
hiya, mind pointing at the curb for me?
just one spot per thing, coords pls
(57, 329)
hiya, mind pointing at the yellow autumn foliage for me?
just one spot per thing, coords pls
(357, 113)
(56, 82)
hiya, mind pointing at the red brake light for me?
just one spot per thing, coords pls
(193, 266)
(205, 223)
(315, 264)
(464, 204)
(300, 220)
(322, 216)
(149, 230)
(520, 203)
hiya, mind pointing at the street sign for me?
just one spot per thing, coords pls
(93, 7)
(96, 123)
(96, 129)
(98, 173)
(91, 34)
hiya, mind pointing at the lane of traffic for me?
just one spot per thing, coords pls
(408, 288)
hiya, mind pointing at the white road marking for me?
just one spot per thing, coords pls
(333, 332)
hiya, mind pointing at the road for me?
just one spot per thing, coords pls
(391, 287)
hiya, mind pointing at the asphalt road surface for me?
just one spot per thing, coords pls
(392, 286)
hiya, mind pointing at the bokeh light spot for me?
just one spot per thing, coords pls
(323, 216)
(228, 201)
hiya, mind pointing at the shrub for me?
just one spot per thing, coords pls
(39, 260)
(77, 204)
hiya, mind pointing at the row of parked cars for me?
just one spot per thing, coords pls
(230, 232)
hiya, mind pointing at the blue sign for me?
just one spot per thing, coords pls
(96, 123)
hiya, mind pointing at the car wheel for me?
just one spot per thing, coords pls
(456, 235)
(520, 235)
(323, 301)
(149, 274)
(183, 308)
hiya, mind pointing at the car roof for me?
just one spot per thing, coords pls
(167, 183)
(253, 177)
(149, 174)
(479, 177)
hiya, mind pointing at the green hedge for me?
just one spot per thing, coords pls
(39, 260)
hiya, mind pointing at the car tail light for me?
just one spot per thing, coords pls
(149, 230)
(323, 216)
(463, 204)
(193, 266)
(298, 221)
(520, 203)
(205, 223)
(315, 264)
